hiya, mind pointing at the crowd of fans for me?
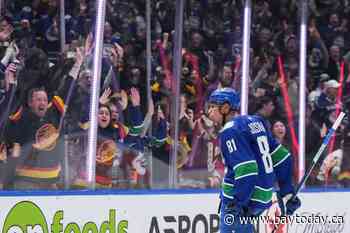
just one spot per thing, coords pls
(45, 93)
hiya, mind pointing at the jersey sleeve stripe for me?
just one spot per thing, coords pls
(261, 195)
(227, 196)
(245, 169)
(136, 130)
(227, 190)
(277, 148)
(281, 161)
(279, 155)
(249, 174)
(243, 164)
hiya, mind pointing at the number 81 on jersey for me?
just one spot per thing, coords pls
(264, 149)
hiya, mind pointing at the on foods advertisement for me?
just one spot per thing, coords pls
(326, 212)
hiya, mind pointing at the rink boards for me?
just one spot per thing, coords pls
(149, 212)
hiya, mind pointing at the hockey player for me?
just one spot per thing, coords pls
(254, 162)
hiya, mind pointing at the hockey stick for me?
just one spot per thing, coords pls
(317, 156)
(319, 152)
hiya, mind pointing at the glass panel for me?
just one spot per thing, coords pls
(163, 91)
(43, 146)
(328, 94)
(135, 138)
(205, 52)
(275, 62)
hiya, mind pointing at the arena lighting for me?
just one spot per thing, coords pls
(149, 76)
(95, 91)
(177, 69)
(148, 49)
(246, 55)
(302, 88)
(62, 26)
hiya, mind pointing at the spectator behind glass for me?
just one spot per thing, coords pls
(335, 60)
(332, 29)
(35, 129)
(265, 108)
(291, 47)
(317, 90)
(198, 48)
(318, 58)
(261, 13)
(225, 77)
(106, 148)
(263, 46)
(136, 79)
(34, 74)
(106, 152)
(279, 132)
(108, 32)
(326, 104)
(52, 34)
(165, 15)
(6, 30)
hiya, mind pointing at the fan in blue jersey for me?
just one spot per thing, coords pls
(254, 162)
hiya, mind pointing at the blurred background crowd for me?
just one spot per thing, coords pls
(45, 89)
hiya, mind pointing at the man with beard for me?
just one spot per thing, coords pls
(36, 127)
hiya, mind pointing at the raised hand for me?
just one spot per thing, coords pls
(89, 44)
(10, 75)
(10, 54)
(80, 55)
(120, 50)
(313, 30)
(104, 99)
(189, 115)
(160, 114)
(117, 54)
(135, 97)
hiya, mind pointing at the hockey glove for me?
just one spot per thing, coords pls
(235, 210)
(288, 206)
(292, 205)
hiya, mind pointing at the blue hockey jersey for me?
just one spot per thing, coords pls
(254, 162)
